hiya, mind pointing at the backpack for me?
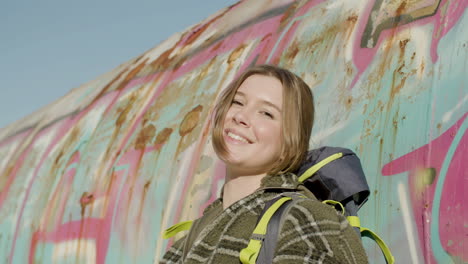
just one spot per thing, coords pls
(335, 176)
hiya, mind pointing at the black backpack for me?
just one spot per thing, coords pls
(335, 176)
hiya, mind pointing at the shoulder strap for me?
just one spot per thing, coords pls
(267, 251)
(262, 243)
(173, 230)
(250, 254)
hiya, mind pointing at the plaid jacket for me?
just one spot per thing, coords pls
(311, 233)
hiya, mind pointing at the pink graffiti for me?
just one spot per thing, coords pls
(61, 131)
(452, 215)
(63, 128)
(97, 229)
(92, 228)
(18, 162)
(443, 23)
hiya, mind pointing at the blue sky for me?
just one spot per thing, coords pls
(49, 47)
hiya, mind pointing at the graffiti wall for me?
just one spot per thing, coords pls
(96, 176)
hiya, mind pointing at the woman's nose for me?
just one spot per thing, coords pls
(241, 118)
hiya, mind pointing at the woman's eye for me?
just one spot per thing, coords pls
(267, 114)
(236, 102)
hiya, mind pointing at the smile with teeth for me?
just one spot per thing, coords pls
(237, 137)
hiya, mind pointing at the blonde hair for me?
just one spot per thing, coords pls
(297, 116)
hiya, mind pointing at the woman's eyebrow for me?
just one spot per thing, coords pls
(240, 93)
(271, 105)
(262, 101)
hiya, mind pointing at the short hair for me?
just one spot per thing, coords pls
(297, 116)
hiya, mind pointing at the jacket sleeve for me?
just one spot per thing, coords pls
(313, 232)
(175, 252)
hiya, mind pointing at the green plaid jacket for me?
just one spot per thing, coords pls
(312, 232)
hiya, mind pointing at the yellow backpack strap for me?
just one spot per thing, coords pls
(354, 221)
(173, 230)
(249, 254)
(334, 203)
(312, 170)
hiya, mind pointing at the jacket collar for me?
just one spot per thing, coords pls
(286, 181)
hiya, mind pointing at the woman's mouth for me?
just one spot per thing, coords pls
(233, 137)
(237, 137)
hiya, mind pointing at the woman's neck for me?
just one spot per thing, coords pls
(238, 187)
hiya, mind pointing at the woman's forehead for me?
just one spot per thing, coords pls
(266, 89)
(260, 83)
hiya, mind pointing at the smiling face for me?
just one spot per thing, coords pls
(259, 93)
(252, 128)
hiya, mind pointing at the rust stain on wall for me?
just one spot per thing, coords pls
(163, 136)
(165, 60)
(133, 73)
(145, 136)
(85, 200)
(124, 111)
(190, 121)
(236, 54)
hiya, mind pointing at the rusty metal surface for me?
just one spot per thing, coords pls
(96, 176)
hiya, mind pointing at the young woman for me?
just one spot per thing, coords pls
(261, 131)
